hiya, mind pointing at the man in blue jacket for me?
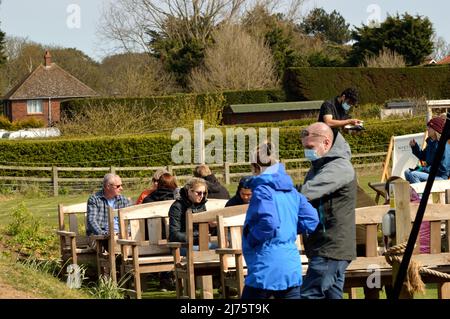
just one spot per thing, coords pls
(276, 214)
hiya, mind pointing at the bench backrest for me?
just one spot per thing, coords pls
(153, 217)
(202, 220)
(132, 226)
(73, 218)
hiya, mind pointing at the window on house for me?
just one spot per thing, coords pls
(34, 106)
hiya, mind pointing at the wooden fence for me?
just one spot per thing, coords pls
(222, 171)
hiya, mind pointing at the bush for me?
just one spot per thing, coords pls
(155, 149)
(31, 122)
(375, 85)
(27, 235)
(5, 123)
(163, 104)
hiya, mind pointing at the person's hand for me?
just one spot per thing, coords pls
(355, 121)
(412, 142)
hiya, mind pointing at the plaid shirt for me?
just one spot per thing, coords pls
(97, 212)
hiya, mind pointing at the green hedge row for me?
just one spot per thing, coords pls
(72, 107)
(155, 150)
(376, 85)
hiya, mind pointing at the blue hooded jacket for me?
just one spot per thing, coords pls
(276, 214)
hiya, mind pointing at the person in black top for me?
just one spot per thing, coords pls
(243, 193)
(215, 189)
(167, 185)
(334, 113)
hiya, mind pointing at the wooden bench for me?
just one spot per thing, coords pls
(75, 245)
(147, 252)
(360, 269)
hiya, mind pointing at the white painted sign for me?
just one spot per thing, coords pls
(402, 156)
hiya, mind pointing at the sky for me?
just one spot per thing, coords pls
(74, 23)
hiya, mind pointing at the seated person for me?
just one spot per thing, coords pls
(166, 187)
(215, 189)
(99, 203)
(194, 196)
(153, 186)
(420, 173)
(243, 193)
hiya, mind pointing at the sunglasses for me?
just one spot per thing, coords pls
(306, 133)
(200, 193)
(116, 186)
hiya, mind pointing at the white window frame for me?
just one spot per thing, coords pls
(35, 107)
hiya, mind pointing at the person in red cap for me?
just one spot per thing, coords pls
(420, 173)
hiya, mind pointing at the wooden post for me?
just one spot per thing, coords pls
(444, 288)
(226, 172)
(170, 169)
(402, 224)
(387, 161)
(371, 251)
(112, 170)
(55, 180)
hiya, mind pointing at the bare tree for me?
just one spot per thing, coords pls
(385, 59)
(236, 61)
(128, 22)
(135, 75)
(441, 48)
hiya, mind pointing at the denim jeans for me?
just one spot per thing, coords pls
(324, 278)
(417, 177)
(258, 293)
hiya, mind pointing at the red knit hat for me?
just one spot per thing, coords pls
(437, 124)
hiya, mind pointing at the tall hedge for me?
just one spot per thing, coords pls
(155, 150)
(376, 85)
(72, 107)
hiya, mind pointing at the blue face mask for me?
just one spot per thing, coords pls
(311, 154)
(345, 106)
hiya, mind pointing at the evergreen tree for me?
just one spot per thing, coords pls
(330, 26)
(409, 36)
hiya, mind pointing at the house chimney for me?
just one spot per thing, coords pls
(48, 58)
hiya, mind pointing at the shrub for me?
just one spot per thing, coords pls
(27, 235)
(375, 85)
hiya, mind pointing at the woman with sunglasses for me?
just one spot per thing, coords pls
(194, 196)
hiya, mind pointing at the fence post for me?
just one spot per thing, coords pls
(226, 172)
(55, 180)
(170, 169)
(112, 170)
(402, 224)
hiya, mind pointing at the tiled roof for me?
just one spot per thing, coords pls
(49, 82)
(445, 60)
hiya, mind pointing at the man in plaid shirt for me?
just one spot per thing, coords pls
(99, 203)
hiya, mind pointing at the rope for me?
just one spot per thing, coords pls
(414, 281)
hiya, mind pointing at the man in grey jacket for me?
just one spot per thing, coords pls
(330, 186)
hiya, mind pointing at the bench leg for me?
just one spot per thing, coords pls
(444, 290)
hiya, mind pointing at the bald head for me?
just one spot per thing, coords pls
(319, 137)
(320, 128)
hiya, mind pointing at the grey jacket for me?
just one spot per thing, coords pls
(330, 185)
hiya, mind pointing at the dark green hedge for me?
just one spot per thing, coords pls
(73, 107)
(376, 85)
(144, 150)
(155, 150)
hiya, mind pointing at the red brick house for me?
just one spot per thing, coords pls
(40, 93)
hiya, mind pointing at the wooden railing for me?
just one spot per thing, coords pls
(222, 171)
